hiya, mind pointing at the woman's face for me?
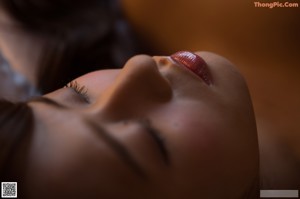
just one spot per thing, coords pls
(153, 129)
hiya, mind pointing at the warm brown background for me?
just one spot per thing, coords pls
(264, 43)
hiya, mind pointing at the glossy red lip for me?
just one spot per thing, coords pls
(194, 63)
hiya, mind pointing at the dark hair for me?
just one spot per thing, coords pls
(81, 36)
(16, 124)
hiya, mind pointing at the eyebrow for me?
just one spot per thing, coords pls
(48, 101)
(104, 134)
(118, 147)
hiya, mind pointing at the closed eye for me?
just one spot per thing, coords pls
(79, 89)
(104, 135)
(118, 147)
(156, 136)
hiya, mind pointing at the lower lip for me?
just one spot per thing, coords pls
(194, 63)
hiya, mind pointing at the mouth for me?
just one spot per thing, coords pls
(194, 63)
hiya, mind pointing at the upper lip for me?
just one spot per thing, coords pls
(194, 63)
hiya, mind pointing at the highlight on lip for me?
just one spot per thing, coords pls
(194, 63)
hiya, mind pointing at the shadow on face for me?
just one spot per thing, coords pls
(153, 129)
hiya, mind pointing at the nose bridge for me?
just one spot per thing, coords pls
(139, 85)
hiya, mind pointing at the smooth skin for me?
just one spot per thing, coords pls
(177, 136)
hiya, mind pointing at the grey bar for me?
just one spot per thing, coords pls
(279, 193)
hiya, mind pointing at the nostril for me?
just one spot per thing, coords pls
(142, 74)
(139, 85)
(162, 61)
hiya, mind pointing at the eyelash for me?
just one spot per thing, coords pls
(79, 89)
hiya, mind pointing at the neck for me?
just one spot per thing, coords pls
(20, 48)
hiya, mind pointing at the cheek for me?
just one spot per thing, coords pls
(196, 154)
(212, 138)
(212, 150)
(199, 139)
(191, 127)
(192, 133)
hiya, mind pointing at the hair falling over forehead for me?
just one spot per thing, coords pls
(16, 123)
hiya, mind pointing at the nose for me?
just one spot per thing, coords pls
(139, 87)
